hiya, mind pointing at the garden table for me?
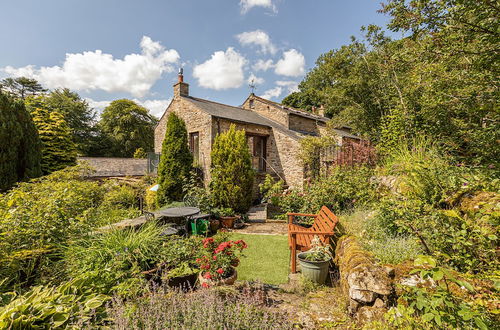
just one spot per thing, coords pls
(178, 212)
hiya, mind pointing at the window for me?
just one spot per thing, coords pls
(251, 104)
(258, 150)
(194, 146)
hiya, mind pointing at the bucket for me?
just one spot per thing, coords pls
(200, 226)
(316, 271)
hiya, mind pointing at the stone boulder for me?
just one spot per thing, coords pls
(361, 278)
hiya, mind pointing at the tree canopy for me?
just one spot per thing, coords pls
(127, 126)
(439, 81)
(58, 148)
(20, 147)
(21, 87)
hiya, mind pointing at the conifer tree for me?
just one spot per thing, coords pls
(58, 148)
(232, 172)
(176, 161)
(20, 146)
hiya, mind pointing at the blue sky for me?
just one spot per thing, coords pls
(111, 49)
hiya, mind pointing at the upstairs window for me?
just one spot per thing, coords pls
(194, 146)
(251, 104)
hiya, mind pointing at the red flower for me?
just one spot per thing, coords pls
(205, 285)
(214, 257)
(220, 271)
(207, 276)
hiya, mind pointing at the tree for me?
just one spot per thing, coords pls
(58, 148)
(21, 87)
(78, 115)
(20, 147)
(176, 161)
(231, 171)
(128, 126)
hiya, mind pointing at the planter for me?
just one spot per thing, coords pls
(316, 271)
(214, 225)
(228, 222)
(225, 281)
(184, 282)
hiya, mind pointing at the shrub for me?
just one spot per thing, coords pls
(203, 309)
(52, 307)
(271, 189)
(344, 189)
(438, 307)
(113, 261)
(140, 153)
(232, 173)
(176, 161)
(122, 196)
(37, 217)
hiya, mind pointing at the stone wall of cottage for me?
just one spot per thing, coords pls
(299, 123)
(264, 109)
(196, 121)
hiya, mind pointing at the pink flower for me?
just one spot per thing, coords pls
(207, 276)
(220, 271)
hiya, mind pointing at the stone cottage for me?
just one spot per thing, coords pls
(273, 131)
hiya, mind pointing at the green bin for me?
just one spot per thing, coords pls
(199, 226)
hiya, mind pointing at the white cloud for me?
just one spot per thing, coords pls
(262, 65)
(258, 38)
(272, 93)
(246, 5)
(222, 71)
(253, 79)
(292, 86)
(155, 107)
(95, 70)
(292, 64)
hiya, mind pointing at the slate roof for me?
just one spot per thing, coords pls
(116, 167)
(238, 114)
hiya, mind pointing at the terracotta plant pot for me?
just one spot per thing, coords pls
(225, 281)
(228, 222)
(214, 225)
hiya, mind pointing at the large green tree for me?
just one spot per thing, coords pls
(78, 115)
(58, 148)
(176, 161)
(21, 87)
(231, 171)
(127, 126)
(439, 81)
(20, 147)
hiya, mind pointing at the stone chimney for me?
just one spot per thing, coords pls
(181, 88)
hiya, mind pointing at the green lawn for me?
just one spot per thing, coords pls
(266, 258)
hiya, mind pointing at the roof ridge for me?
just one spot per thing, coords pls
(210, 101)
(286, 107)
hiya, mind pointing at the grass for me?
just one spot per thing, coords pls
(266, 258)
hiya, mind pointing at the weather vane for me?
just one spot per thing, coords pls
(252, 85)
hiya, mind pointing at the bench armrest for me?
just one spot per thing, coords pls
(304, 232)
(292, 215)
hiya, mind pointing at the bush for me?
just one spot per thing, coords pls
(113, 261)
(36, 218)
(122, 196)
(344, 189)
(203, 309)
(176, 162)
(232, 173)
(52, 307)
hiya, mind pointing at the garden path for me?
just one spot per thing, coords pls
(264, 228)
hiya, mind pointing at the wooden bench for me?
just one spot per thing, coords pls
(299, 238)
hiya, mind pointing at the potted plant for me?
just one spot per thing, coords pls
(226, 216)
(219, 261)
(314, 262)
